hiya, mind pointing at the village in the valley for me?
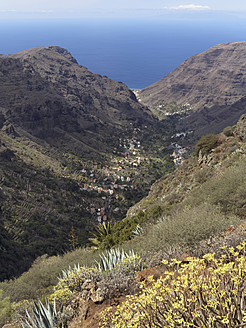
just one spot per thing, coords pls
(109, 186)
(172, 110)
(112, 187)
(179, 151)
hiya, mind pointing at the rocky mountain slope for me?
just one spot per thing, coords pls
(211, 85)
(214, 77)
(197, 209)
(210, 120)
(44, 92)
(212, 175)
(76, 149)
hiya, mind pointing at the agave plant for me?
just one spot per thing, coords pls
(112, 257)
(66, 273)
(137, 231)
(41, 316)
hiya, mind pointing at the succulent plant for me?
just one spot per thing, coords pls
(137, 231)
(41, 316)
(112, 257)
(66, 273)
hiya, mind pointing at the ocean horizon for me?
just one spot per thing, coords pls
(137, 53)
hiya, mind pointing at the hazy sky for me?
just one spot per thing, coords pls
(118, 8)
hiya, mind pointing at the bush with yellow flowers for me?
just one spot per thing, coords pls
(74, 279)
(202, 293)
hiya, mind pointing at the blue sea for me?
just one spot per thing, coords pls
(137, 53)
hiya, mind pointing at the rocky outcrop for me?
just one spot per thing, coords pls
(82, 301)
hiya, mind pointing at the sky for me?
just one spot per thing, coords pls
(13, 9)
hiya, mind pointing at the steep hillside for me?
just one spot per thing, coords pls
(209, 88)
(211, 120)
(214, 77)
(41, 205)
(43, 91)
(196, 210)
(214, 175)
(76, 149)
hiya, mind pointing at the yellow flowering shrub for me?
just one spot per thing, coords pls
(60, 295)
(202, 293)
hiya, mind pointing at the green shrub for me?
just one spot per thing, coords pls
(75, 280)
(43, 275)
(226, 190)
(124, 230)
(232, 237)
(115, 274)
(103, 237)
(206, 143)
(109, 235)
(228, 131)
(62, 295)
(202, 175)
(122, 277)
(185, 228)
(6, 310)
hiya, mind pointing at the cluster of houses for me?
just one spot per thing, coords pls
(178, 154)
(119, 175)
(111, 191)
(128, 147)
(181, 135)
(174, 109)
(179, 151)
(100, 213)
(130, 155)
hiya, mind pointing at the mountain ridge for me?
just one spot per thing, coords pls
(213, 77)
(206, 92)
(44, 91)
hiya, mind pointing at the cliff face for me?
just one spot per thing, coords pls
(213, 119)
(214, 77)
(44, 92)
(211, 85)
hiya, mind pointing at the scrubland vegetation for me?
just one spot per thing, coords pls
(52, 198)
(194, 211)
(204, 293)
